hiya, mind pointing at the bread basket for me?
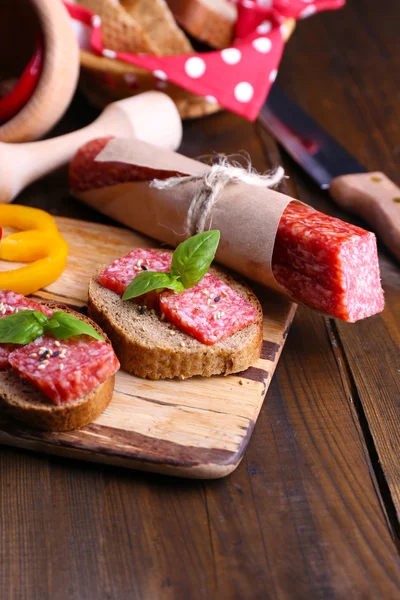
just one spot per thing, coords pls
(105, 80)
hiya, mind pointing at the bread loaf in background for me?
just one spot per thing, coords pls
(139, 26)
(210, 21)
(155, 18)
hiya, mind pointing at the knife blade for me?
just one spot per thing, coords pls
(373, 196)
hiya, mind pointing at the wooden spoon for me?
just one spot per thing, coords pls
(151, 117)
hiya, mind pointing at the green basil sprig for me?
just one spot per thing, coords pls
(27, 325)
(190, 262)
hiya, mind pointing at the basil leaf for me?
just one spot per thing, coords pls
(22, 327)
(63, 326)
(148, 281)
(193, 257)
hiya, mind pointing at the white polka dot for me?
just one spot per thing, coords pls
(231, 56)
(109, 53)
(244, 92)
(247, 3)
(273, 75)
(264, 28)
(308, 11)
(96, 21)
(262, 45)
(266, 3)
(211, 99)
(160, 75)
(195, 67)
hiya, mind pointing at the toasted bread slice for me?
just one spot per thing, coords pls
(210, 21)
(155, 18)
(22, 401)
(146, 348)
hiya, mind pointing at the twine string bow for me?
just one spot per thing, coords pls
(210, 186)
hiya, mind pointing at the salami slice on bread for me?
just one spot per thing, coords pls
(24, 402)
(150, 346)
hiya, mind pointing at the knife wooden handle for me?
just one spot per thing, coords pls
(376, 199)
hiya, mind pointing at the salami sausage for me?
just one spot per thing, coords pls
(210, 311)
(320, 261)
(65, 370)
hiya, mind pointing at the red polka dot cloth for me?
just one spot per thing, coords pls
(238, 78)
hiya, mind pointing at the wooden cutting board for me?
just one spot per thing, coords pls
(199, 427)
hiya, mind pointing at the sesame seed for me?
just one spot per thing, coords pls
(147, 262)
(172, 333)
(223, 293)
(17, 310)
(33, 355)
(183, 344)
(62, 356)
(142, 310)
(57, 343)
(217, 298)
(144, 268)
(209, 301)
(221, 314)
(1, 305)
(56, 353)
(42, 349)
(61, 367)
(3, 311)
(42, 366)
(139, 262)
(63, 352)
(176, 306)
(162, 317)
(205, 292)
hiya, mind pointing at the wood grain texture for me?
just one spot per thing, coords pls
(186, 428)
(303, 515)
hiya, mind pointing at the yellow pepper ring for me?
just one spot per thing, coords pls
(41, 245)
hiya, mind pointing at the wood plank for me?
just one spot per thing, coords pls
(374, 363)
(185, 428)
(367, 125)
(300, 517)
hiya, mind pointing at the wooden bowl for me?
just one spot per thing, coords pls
(20, 21)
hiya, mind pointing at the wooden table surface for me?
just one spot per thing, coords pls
(313, 510)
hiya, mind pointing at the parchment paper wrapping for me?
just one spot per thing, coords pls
(246, 215)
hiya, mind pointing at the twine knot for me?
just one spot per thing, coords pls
(212, 183)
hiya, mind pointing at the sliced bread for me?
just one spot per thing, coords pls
(20, 400)
(210, 21)
(120, 31)
(155, 18)
(151, 348)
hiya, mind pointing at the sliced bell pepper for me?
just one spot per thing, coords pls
(39, 244)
